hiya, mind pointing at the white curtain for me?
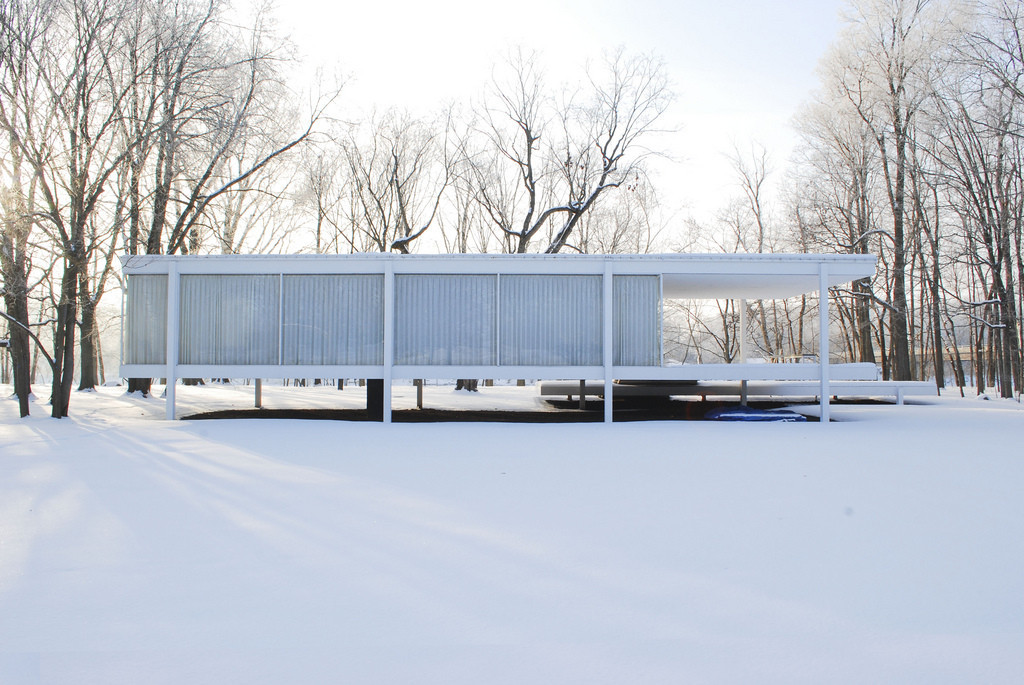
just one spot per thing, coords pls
(145, 338)
(445, 319)
(333, 319)
(229, 319)
(551, 320)
(637, 320)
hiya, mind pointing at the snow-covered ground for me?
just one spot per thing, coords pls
(887, 547)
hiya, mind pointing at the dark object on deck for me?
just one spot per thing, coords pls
(754, 414)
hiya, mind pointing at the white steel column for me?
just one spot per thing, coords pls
(823, 351)
(173, 321)
(280, 319)
(124, 332)
(743, 348)
(389, 335)
(609, 339)
(661, 319)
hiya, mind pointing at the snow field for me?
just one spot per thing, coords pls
(884, 547)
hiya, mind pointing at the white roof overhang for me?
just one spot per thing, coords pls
(684, 276)
(749, 286)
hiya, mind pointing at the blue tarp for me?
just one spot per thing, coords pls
(753, 414)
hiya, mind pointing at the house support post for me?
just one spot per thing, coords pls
(823, 349)
(376, 409)
(389, 336)
(259, 392)
(609, 341)
(173, 319)
(743, 349)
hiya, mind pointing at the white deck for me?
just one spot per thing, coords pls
(847, 389)
(748, 372)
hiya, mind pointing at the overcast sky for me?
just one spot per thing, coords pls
(740, 69)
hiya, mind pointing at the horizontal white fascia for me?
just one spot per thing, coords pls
(492, 263)
(687, 372)
(499, 372)
(277, 371)
(142, 370)
(684, 276)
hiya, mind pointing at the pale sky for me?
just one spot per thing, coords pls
(740, 69)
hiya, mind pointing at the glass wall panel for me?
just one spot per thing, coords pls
(551, 320)
(444, 319)
(333, 319)
(145, 338)
(637, 320)
(229, 319)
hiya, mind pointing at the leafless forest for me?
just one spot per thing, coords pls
(163, 127)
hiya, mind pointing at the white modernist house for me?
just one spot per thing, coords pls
(385, 316)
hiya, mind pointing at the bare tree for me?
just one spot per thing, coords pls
(20, 27)
(212, 90)
(629, 221)
(883, 64)
(256, 215)
(543, 163)
(320, 194)
(463, 228)
(981, 153)
(834, 206)
(399, 168)
(66, 135)
(216, 119)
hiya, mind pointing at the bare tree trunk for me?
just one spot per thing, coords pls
(958, 362)
(883, 350)
(1004, 341)
(14, 267)
(1009, 323)
(900, 332)
(88, 366)
(64, 342)
(862, 320)
(20, 346)
(978, 341)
